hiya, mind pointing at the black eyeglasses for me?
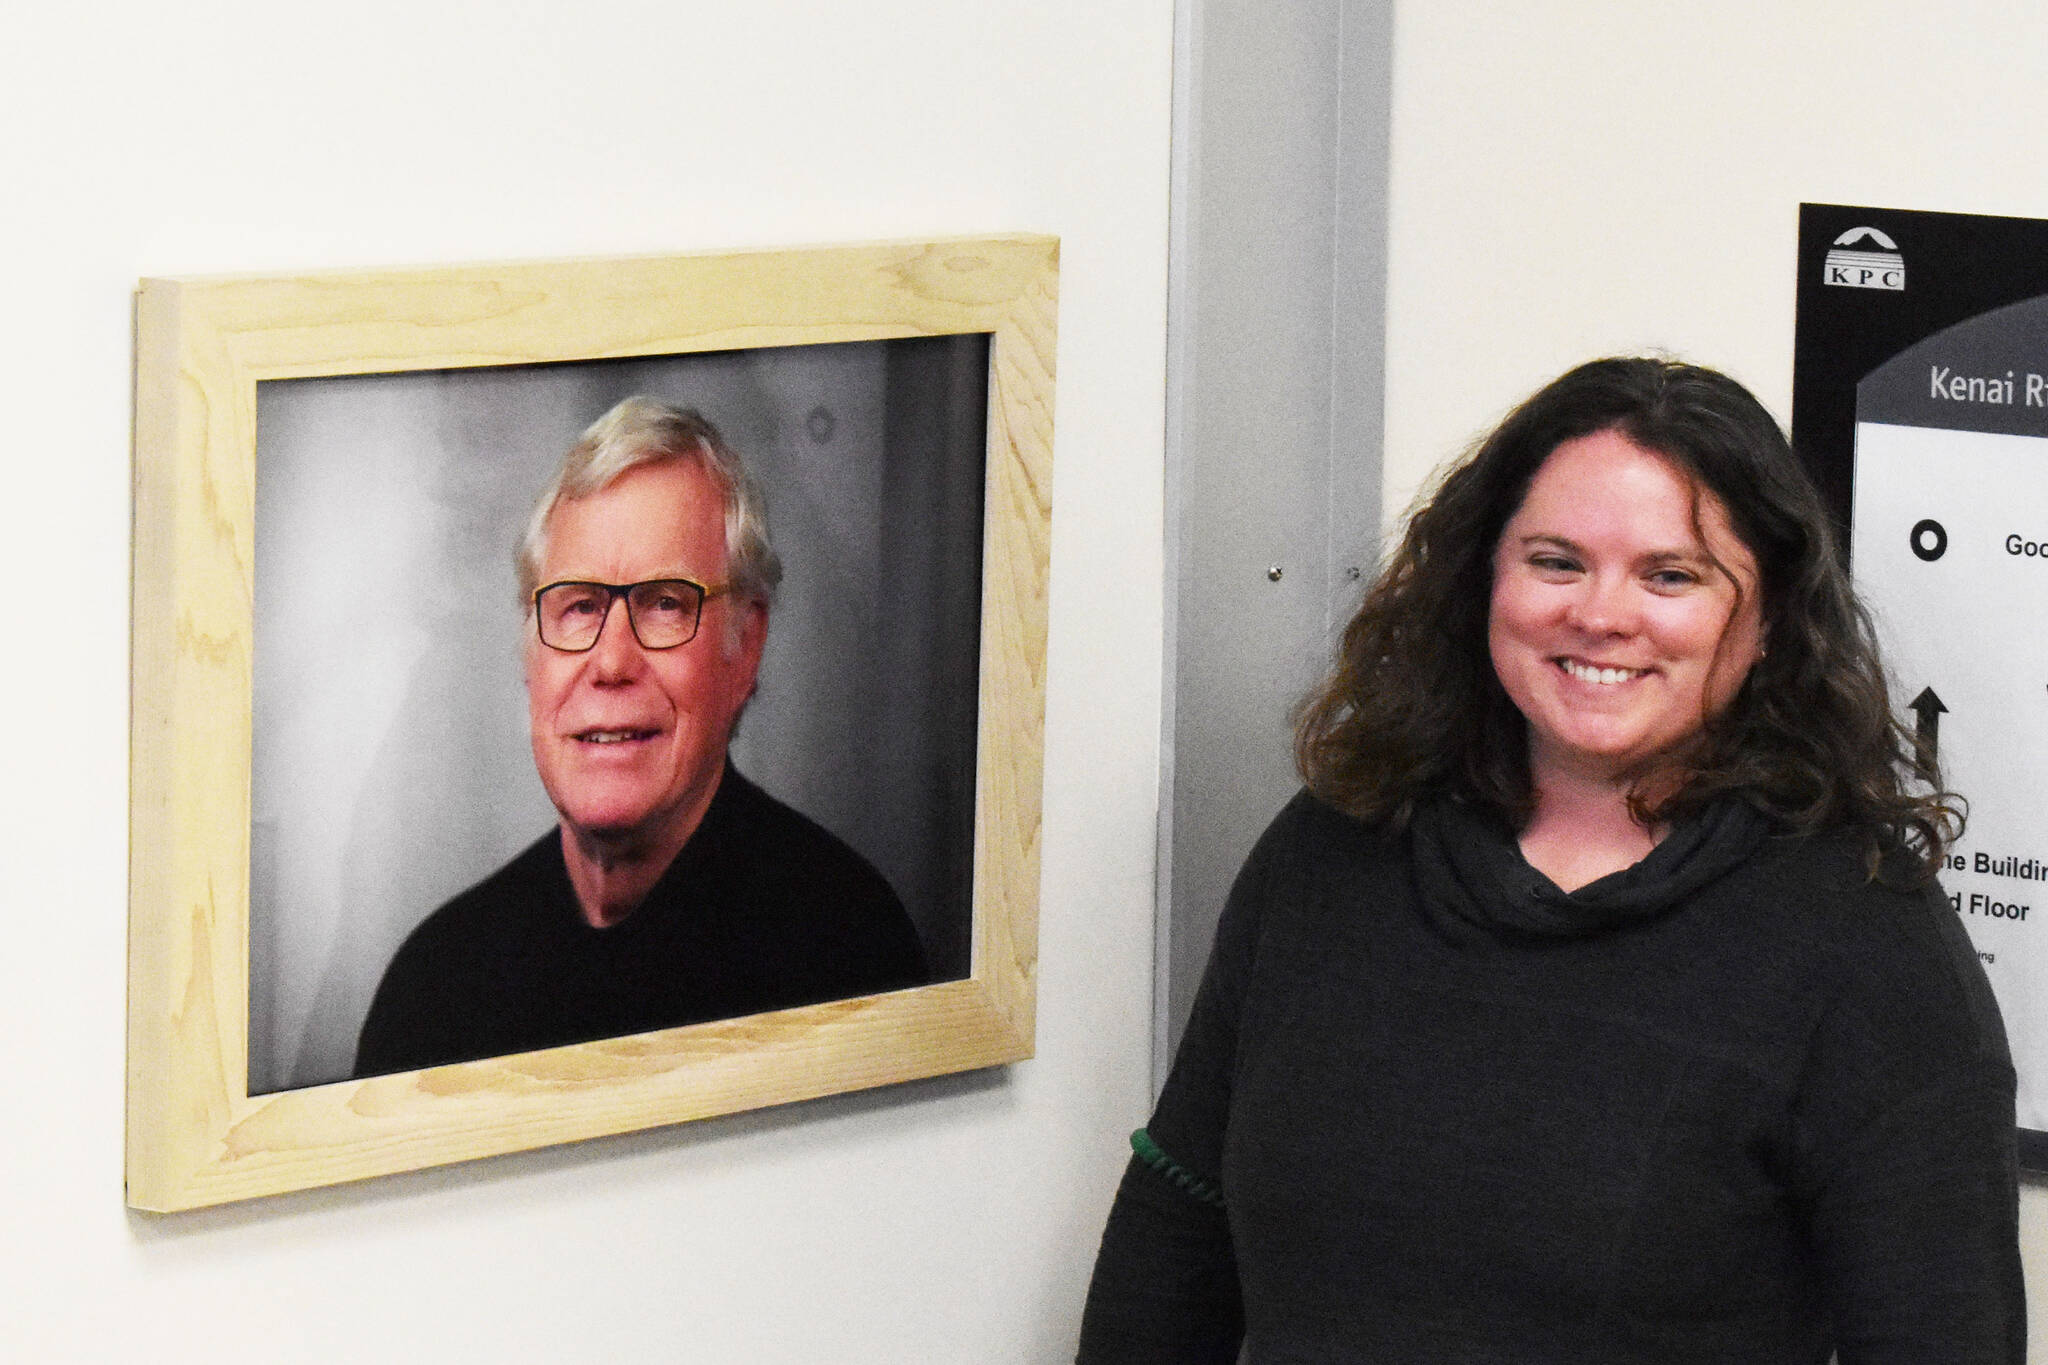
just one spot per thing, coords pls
(663, 612)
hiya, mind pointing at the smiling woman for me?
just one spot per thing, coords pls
(1417, 704)
(1595, 1001)
(1624, 618)
(1617, 630)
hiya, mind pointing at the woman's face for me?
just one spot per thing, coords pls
(1620, 620)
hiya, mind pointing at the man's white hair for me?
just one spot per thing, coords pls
(644, 431)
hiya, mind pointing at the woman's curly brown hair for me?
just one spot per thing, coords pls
(1414, 709)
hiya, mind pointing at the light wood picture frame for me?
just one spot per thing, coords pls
(196, 1135)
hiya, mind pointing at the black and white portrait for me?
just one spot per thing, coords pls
(394, 759)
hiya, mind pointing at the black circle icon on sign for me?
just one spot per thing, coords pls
(1929, 540)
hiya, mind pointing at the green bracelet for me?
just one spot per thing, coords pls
(1191, 1184)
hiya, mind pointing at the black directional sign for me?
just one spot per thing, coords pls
(1920, 404)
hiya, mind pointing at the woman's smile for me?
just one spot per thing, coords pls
(1624, 611)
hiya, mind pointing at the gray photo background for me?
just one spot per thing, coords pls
(391, 765)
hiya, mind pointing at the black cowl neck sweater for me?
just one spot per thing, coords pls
(1737, 1103)
(1470, 871)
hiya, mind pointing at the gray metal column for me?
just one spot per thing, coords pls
(1276, 326)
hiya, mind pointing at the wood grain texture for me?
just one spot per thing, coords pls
(195, 1136)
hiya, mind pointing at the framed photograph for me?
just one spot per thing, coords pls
(340, 700)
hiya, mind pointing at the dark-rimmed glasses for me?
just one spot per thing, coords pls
(663, 612)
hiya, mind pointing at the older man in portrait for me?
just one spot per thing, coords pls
(674, 890)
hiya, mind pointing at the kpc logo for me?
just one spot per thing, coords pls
(1868, 268)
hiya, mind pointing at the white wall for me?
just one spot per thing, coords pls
(949, 1221)
(1587, 177)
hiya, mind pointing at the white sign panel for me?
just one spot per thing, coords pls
(1950, 547)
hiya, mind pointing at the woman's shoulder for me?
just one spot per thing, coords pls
(1888, 955)
(1312, 866)
(1820, 889)
(1828, 885)
(1310, 835)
